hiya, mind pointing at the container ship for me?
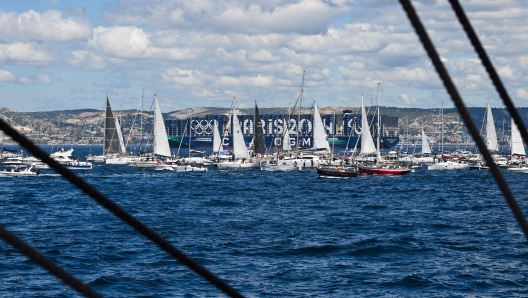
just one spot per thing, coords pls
(343, 131)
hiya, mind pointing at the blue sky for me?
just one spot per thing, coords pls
(58, 54)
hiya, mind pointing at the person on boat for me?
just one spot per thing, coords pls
(37, 172)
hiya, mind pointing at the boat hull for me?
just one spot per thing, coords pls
(337, 172)
(383, 171)
(522, 170)
(274, 168)
(188, 168)
(237, 165)
(86, 167)
(478, 168)
(448, 166)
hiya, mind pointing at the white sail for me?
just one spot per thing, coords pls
(161, 141)
(239, 146)
(426, 149)
(286, 145)
(491, 133)
(122, 147)
(367, 144)
(319, 134)
(217, 141)
(517, 146)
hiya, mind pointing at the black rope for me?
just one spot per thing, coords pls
(464, 21)
(462, 110)
(119, 212)
(47, 264)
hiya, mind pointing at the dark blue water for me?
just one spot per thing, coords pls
(429, 233)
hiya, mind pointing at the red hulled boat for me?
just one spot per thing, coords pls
(380, 170)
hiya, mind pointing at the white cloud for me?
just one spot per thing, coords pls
(42, 27)
(507, 72)
(44, 79)
(25, 53)
(521, 93)
(134, 43)
(258, 50)
(203, 94)
(24, 80)
(262, 56)
(257, 17)
(405, 100)
(6, 76)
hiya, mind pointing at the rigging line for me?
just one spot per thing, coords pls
(47, 264)
(484, 58)
(462, 110)
(118, 211)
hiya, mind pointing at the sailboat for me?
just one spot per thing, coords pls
(218, 148)
(367, 144)
(367, 147)
(446, 164)
(190, 163)
(286, 145)
(492, 143)
(310, 158)
(195, 158)
(517, 146)
(274, 162)
(518, 154)
(114, 151)
(160, 145)
(259, 143)
(217, 140)
(491, 133)
(378, 169)
(240, 157)
(426, 157)
(320, 139)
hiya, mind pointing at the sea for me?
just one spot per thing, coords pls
(269, 234)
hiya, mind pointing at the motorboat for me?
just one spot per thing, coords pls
(448, 165)
(272, 165)
(16, 171)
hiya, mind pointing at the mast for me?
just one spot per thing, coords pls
(334, 129)
(141, 120)
(379, 130)
(299, 114)
(190, 124)
(442, 128)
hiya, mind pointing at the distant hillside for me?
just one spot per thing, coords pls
(88, 124)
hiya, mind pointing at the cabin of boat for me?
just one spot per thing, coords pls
(335, 171)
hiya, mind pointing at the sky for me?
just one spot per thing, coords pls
(71, 54)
